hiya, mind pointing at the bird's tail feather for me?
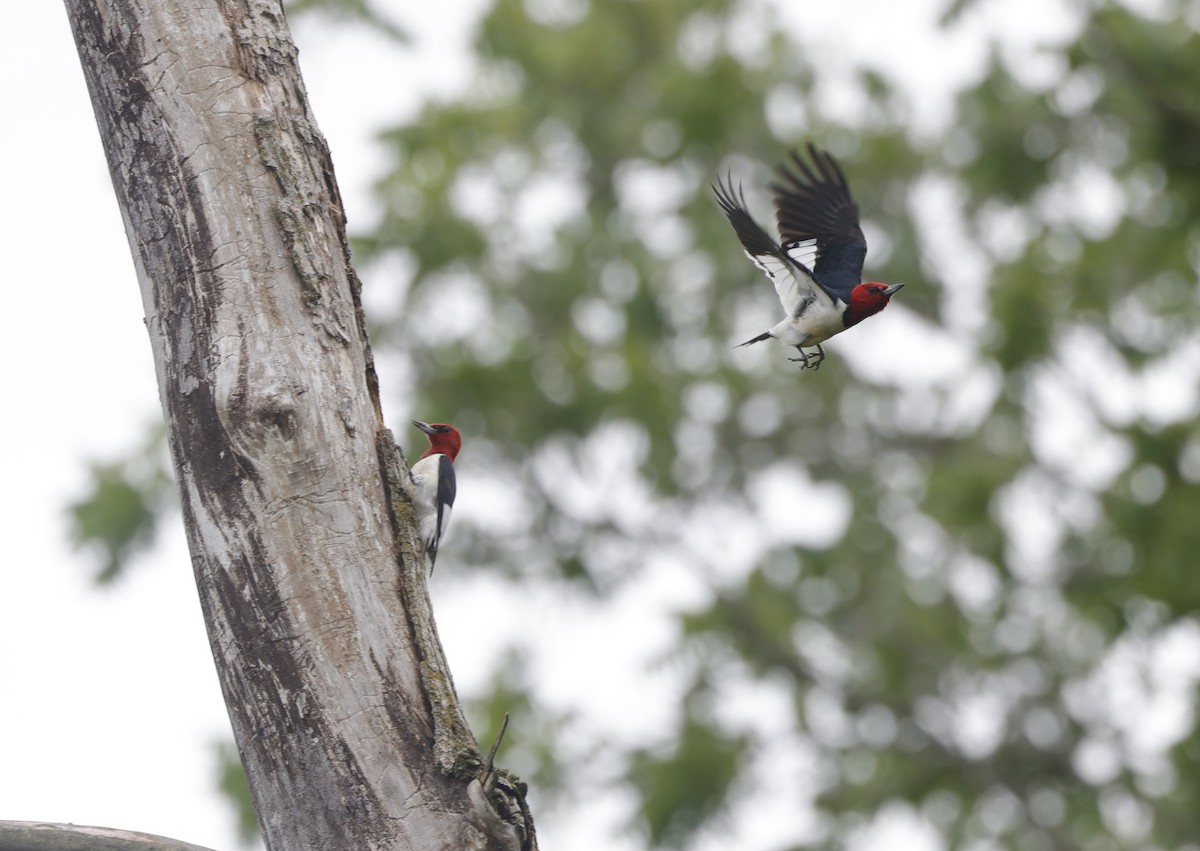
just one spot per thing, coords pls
(765, 335)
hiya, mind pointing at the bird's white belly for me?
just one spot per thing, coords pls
(424, 496)
(816, 325)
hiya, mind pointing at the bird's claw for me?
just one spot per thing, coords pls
(812, 362)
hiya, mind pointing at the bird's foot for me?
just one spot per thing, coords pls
(808, 361)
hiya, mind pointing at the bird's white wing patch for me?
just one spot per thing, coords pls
(794, 286)
(803, 251)
(441, 532)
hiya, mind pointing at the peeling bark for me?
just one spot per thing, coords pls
(305, 558)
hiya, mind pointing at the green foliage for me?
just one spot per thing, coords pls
(116, 519)
(231, 781)
(684, 789)
(938, 605)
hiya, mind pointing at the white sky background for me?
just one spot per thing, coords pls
(108, 698)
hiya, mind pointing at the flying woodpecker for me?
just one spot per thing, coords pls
(815, 210)
(434, 484)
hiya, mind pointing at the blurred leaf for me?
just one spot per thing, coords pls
(118, 516)
(232, 784)
(688, 787)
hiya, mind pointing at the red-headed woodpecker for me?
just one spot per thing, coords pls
(815, 211)
(434, 484)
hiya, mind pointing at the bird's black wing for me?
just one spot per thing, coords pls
(794, 282)
(447, 483)
(814, 206)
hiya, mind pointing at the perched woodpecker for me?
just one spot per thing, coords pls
(815, 211)
(434, 484)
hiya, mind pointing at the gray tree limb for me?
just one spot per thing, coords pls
(342, 707)
(43, 836)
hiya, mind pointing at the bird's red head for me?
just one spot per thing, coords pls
(443, 439)
(868, 299)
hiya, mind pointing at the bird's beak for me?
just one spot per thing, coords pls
(892, 289)
(425, 427)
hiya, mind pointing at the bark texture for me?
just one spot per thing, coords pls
(298, 540)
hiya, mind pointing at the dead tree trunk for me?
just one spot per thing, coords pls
(302, 544)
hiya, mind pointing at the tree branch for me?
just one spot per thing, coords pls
(41, 836)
